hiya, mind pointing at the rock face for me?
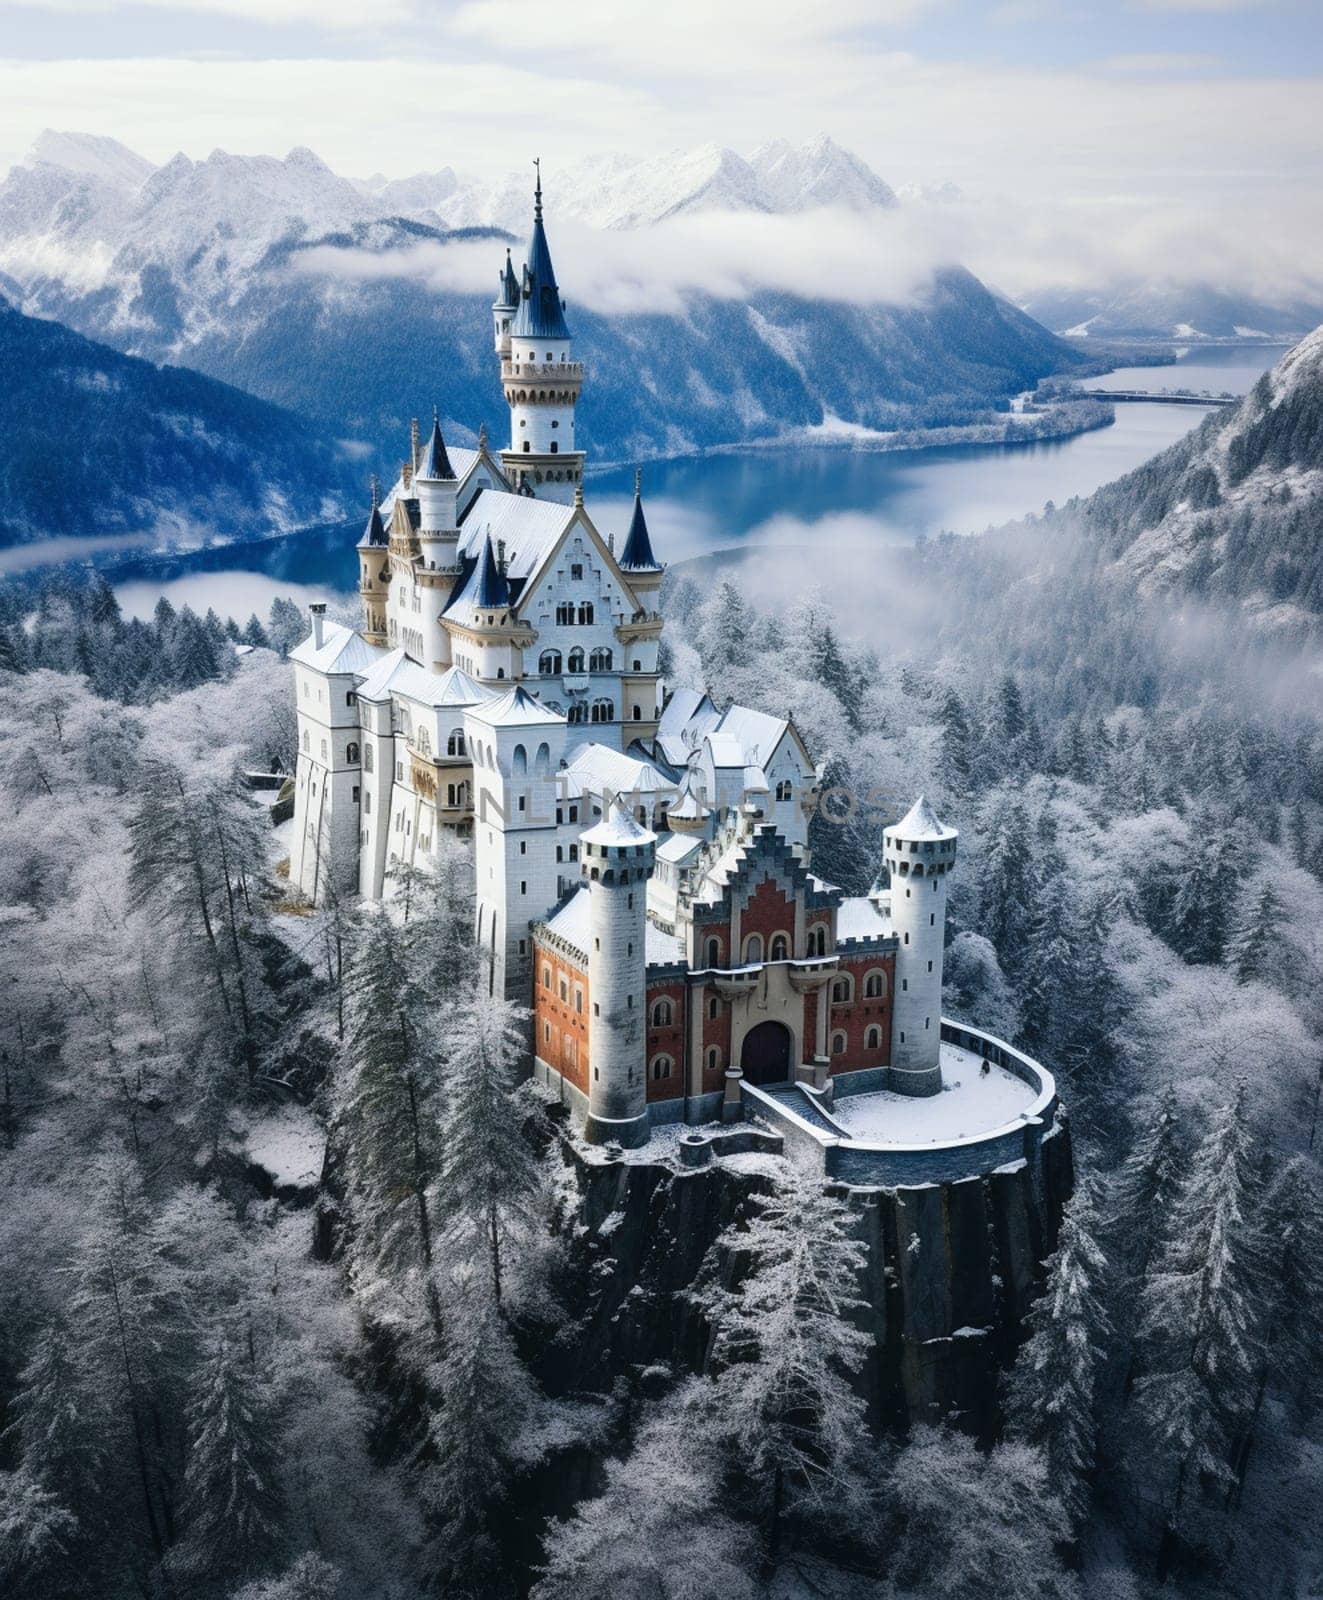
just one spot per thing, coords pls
(952, 1269)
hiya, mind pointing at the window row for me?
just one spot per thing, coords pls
(550, 663)
(572, 614)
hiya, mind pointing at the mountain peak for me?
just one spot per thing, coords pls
(91, 155)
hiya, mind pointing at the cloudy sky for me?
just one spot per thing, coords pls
(1166, 124)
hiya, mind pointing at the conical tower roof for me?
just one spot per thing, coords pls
(492, 587)
(507, 289)
(637, 554)
(375, 532)
(435, 463)
(541, 314)
(921, 822)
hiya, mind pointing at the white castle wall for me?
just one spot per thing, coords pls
(617, 991)
(918, 916)
(324, 852)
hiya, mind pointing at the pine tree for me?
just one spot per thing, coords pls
(386, 1111)
(955, 763)
(488, 1177)
(36, 1538)
(1146, 1187)
(784, 1350)
(1292, 1289)
(255, 634)
(1053, 1393)
(233, 1504)
(13, 655)
(1198, 1313)
(971, 1525)
(841, 838)
(1011, 719)
(1005, 880)
(1252, 946)
(482, 1401)
(658, 1530)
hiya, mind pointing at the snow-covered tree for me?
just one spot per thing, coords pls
(658, 1530)
(1254, 941)
(232, 1499)
(783, 1352)
(482, 1405)
(1199, 1317)
(488, 1177)
(387, 1113)
(1053, 1394)
(970, 1525)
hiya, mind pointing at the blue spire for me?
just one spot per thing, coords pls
(541, 314)
(637, 553)
(435, 463)
(508, 294)
(375, 532)
(493, 587)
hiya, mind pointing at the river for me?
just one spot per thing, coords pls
(833, 498)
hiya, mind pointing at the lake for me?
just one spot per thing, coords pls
(837, 500)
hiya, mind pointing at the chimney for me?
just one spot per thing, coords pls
(318, 610)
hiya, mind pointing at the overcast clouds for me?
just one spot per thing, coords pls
(1186, 122)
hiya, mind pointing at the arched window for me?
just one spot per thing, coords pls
(574, 852)
(601, 660)
(548, 663)
(519, 761)
(351, 753)
(780, 949)
(873, 1037)
(842, 990)
(527, 447)
(603, 711)
(424, 742)
(783, 789)
(817, 939)
(838, 1044)
(662, 1066)
(753, 948)
(307, 743)
(554, 447)
(576, 659)
(712, 1057)
(663, 1014)
(578, 712)
(546, 976)
(638, 713)
(712, 952)
(369, 761)
(455, 743)
(565, 614)
(875, 986)
(585, 613)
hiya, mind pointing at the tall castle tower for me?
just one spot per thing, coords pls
(374, 573)
(920, 852)
(540, 379)
(617, 859)
(640, 688)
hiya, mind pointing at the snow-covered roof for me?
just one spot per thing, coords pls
(375, 532)
(679, 848)
(921, 822)
(757, 733)
(342, 650)
(685, 718)
(514, 709)
(397, 674)
(618, 829)
(484, 589)
(573, 921)
(598, 769)
(861, 918)
(724, 751)
(755, 781)
(530, 528)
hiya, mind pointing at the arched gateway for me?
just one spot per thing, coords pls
(765, 1053)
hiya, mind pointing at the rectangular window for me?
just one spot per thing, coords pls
(354, 792)
(523, 886)
(523, 947)
(578, 998)
(523, 847)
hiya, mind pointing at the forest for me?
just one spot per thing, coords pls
(392, 1382)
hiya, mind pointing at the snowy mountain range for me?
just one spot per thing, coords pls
(1231, 512)
(222, 265)
(1165, 310)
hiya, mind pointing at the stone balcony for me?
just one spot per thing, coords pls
(541, 371)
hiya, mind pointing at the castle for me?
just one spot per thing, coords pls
(642, 872)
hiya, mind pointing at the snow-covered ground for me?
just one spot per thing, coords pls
(289, 1146)
(969, 1104)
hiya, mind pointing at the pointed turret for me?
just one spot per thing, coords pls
(637, 554)
(435, 463)
(375, 532)
(492, 588)
(541, 314)
(507, 286)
